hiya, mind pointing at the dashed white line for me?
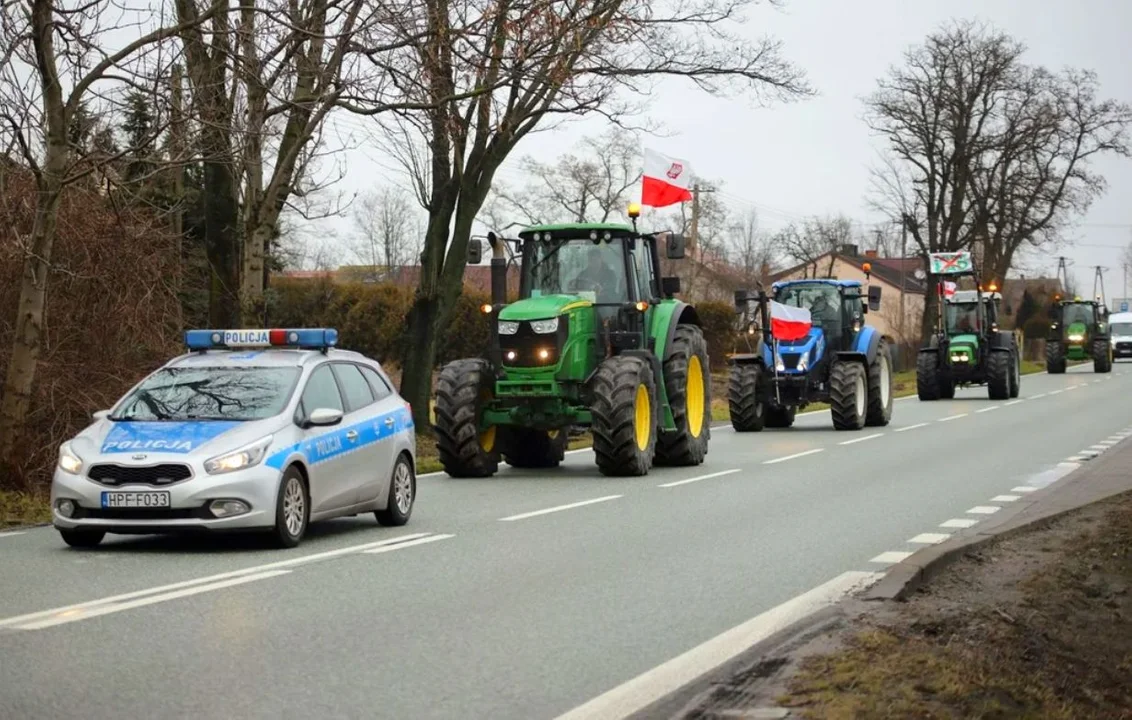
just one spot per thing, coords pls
(1072, 387)
(1004, 498)
(1015, 402)
(959, 523)
(1106, 443)
(860, 439)
(14, 533)
(1099, 446)
(559, 508)
(701, 477)
(1039, 395)
(1075, 458)
(911, 427)
(929, 538)
(411, 543)
(1054, 392)
(988, 409)
(952, 417)
(792, 457)
(984, 510)
(892, 556)
(1023, 489)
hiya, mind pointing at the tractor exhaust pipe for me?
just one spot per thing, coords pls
(498, 270)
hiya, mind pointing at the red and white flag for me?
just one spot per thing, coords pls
(788, 322)
(947, 289)
(664, 180)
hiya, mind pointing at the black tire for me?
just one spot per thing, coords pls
(530, 448)
(1102, 356)
(688, 443)
(462, 389)
(617, 384)
(82, 538)
(402, 495)
(946, 387)
(780, 417)
(745, 398)
(848, 395)
(879, 412)
(1055, 358)
(1016, 377)
(928, 376)
(1000, 368)
(292, 490)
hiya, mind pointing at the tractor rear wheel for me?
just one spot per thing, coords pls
(1055, 357)
(530, 448)
(624, 416)
(928, 376)
(1015, 374)
(780, 417)
(1000, 369)
(848, 395)
(465, 450)
(745, 399)
(687, 377)
(879, 412)
(1102, 356)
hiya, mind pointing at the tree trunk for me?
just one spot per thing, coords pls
(252, 283)
(222, 239)
(931, 313)
(419, 357)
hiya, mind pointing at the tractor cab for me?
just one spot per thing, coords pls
(836, 306)
(1078, 331)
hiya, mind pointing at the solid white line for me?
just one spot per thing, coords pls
(1039, 395)
(96, 611)
(701, 477)
(911, 427)
(210, 579)
(1004, 498)
(891, 556)
(953, 417)
(559, 508)
(791, 457)
(860, 439)
(984, 510)
(929, 538)
(1015, 402)
(959, 523)
(650, 686)
(411, 543)
(988, 409)
(14, 533)
(1023, 489)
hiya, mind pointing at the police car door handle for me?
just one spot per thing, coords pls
(389, 421)
(352, 435)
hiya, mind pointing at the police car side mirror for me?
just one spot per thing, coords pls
(100, 414)
(322, 417)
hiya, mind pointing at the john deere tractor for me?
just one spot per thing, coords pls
(840, 360)
(1078, 331)
(596, 339)
(968, 348)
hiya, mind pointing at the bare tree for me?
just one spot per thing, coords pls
(751, 251)
(543, 60)
(709, 256)
(386, 235)
(815, 242)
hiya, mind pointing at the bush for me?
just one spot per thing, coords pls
(718, 321)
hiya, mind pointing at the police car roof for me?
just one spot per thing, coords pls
(260, 357)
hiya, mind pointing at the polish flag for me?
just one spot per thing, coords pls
(947, 289)
(664, 180)
(788, 322)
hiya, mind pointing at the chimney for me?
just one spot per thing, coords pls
(849, 250)
(871, 254)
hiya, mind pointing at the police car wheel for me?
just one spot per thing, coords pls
(292, 509)
(82, 538)
(402, 495)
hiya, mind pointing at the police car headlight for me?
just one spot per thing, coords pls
(508, 327)
(246, 457)
(544, 327)
(69, 461)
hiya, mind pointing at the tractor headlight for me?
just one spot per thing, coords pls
(545, 327)
(804, 360)
(779, 366)
(508, 327)
(1076, 337)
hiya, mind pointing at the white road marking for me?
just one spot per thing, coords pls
(988, 409)
(791, 457)
(1088, 454)
(1004, 498)
(411, 543)
(559, 508)
(1072, 387)
(911, 427)
(1054, 392)
(959, 523)
(14, 533)
(984, 510)
(891, 556)
(701, 477)
(929, 538)
(1015, 402)
(953, 417)
(1106, 443)
(1099, 446)
(1049, 477)
(210, 579)
(1023, 489)
(648, 687)
(1039, 395)
(860, 439)
(1075, 458)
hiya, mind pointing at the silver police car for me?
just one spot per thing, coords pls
(250, 430)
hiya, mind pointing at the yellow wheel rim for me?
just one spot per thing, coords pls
(694, 396)
(642, 420)
(552, 434)
(487, 439)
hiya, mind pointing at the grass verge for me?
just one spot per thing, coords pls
(21, 508)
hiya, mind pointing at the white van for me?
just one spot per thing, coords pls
(1120, 324)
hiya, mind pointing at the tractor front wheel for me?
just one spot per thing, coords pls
(529, 448)
(745, 399)
(781, 416)
(1016, 375)
(1055, 357)
(462, 390)
(624, 416)
(687, 377)
(929, 377)
(879, 412)
(1000, 371)
(848, 395)
(1102, 356)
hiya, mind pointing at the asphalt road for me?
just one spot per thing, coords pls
(489, 607)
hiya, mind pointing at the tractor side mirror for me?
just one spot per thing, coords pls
(742, 297)
(874, 297)
(669, 286)
(674, 246)
(475, 252)
(1009, 310)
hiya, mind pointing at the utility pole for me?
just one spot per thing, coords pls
(1098, 279)
(177, 150)
(694, 228)
(903, 272)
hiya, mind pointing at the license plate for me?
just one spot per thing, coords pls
(135, 500)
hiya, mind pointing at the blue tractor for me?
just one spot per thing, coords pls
(840, 360)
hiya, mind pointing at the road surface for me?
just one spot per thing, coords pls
(522, 596)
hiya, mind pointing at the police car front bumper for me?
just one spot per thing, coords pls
(238, 500)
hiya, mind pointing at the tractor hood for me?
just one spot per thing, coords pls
(542, 307)
(791, 352)
(1074, 330)
(964, 344)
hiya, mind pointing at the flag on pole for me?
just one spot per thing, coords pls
(947, 289)
(788, 322)
(664, 180)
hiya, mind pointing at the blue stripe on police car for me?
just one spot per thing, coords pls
(334, 443)
(160, 436)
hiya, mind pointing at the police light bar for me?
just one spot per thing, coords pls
(305, 338)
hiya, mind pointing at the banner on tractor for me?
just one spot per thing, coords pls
(947, 289)
(947, 263)
(788, 322)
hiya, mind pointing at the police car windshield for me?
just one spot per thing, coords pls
(210, 393)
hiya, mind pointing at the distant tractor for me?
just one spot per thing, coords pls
(1078, 331)
(808, 343)
(968, 348)
(596, 339)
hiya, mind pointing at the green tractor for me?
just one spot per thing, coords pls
(1078, 331)
(968, 348)
(596, 339)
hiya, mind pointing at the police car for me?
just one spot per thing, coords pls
(250, 430)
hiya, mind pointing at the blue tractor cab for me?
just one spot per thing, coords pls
(791, 361)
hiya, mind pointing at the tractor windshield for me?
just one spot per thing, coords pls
(962, 318)
(595, 271)
(822, 300)
(1077, 313)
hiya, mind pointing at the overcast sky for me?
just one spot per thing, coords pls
(812, 157)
